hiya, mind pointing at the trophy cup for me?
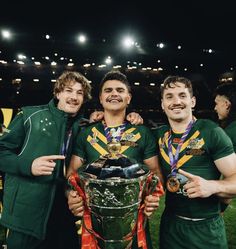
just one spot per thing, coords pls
(114, 188)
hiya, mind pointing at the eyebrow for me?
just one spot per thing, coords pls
(111, 88)
(71, 88)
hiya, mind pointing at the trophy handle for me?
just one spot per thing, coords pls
(74, 180)
(153, 186)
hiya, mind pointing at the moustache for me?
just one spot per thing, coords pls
(74, 102)
(117, 99)
(177, 106)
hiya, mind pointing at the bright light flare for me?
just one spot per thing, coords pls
(128, 42)
(6, 34)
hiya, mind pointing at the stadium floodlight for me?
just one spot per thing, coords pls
(161, 45)
(82, 38)
(21, 56)
(128, 42)
(108, 60)
(6, 34)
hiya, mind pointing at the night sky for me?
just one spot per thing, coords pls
(195, 25)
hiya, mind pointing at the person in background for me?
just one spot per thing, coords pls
(34, 153)
(225, 107)
(194, 153)
(138, 142)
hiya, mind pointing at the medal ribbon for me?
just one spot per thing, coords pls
(174, 158)
(65, 147)
(66, 143)
(88, 237)
(109, 135)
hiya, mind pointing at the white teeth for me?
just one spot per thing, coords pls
(73, 105)
(114, 100)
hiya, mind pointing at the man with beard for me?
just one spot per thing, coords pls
(194, 153)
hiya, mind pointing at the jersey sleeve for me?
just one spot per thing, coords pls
(232, 136)
(156, 132)
(220, 144)
(150, 146)
(79, 144)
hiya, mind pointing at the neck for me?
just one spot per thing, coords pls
(179, 126)
(114, 119)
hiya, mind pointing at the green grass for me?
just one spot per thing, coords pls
(229, 217)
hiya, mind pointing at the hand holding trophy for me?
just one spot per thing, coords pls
(114, 189)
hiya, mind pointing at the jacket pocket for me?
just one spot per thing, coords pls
(11, 189)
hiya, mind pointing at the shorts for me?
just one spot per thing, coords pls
(178, 233)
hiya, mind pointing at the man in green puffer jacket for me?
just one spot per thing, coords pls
(34, 152)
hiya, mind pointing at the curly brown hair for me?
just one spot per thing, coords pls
(70, 77)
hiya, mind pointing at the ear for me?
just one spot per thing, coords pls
(129, 98)
(100, 99)
(57, 95)
(162, 106)
(193, 99)
(228, 104)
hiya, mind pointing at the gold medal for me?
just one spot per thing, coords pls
(173, 184)
(114, 148)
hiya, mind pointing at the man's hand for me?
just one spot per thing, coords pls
(151, 203)
(197, 186)
(96, 116)
(45, 165)
(134, 118)
(75, 203)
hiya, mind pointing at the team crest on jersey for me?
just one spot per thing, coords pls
(195, 147)
(176, 140)
(94, 139)
(128, 139)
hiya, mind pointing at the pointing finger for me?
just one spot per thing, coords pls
(54, 157)
(186, 174)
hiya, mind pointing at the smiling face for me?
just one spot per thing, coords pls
(71, 98)
(222, 106)
(114, 96)
(177, 102)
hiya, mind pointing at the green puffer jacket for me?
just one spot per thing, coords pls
(34, 132)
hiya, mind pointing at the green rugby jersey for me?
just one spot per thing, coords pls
(231, 132)
(205, 143)
(91, 143)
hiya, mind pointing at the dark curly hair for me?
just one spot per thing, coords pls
(115, 75)
(228, 90)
